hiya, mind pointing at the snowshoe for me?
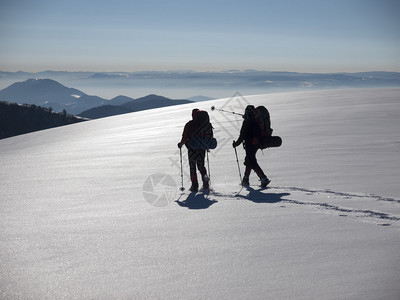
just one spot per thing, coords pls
(206, 182)
(194, 188)
(264, 182)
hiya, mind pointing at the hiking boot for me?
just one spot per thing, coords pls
(264, 181)
(206, 182)
(194, 188)
(245, 181)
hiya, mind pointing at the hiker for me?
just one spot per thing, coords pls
(250, 134)
(191, 130)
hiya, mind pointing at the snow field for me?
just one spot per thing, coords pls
(75, 222)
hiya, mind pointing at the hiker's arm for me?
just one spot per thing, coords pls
(185, 136)
(241, 136)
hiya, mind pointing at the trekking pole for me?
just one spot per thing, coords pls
(182, 187)
(209, 174)
(237, 160)
(231, 112)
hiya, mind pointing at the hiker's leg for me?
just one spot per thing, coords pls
(201, 162)
(192, 165)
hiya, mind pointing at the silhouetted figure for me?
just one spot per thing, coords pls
(249, 135)
(192, 129)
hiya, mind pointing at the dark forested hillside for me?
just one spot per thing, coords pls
(18, 119)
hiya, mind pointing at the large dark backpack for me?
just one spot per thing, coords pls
(264, 135)
(263, 121)
(202, 136)
(204, 127)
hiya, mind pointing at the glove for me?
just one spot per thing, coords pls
(235, 144)
(179, 145)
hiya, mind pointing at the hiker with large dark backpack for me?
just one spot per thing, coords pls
(250, 135)
(198, 137)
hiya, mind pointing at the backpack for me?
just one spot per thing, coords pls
(263, 121)
(263, 132)
(202, 136)
(203, 127)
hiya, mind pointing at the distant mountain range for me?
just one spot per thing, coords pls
(51, 94)
(182, 84)
(47, 91)
(147, 102)
(226, 78)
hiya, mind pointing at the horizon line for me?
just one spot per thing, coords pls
(197, 71)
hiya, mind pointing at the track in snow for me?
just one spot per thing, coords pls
(368, 208)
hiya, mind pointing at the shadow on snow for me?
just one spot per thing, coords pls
(201, 200)
(257, 196)
(196, 201)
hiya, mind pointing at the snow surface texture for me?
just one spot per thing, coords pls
(93, 210)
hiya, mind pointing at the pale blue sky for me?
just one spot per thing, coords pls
(128, 35)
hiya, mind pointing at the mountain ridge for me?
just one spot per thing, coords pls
(17, 119)
(147, 102)
(52, 94)
(49, 93)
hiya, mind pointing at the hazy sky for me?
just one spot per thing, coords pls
(129, 35)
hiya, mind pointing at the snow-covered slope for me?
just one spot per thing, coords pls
(76, 222)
